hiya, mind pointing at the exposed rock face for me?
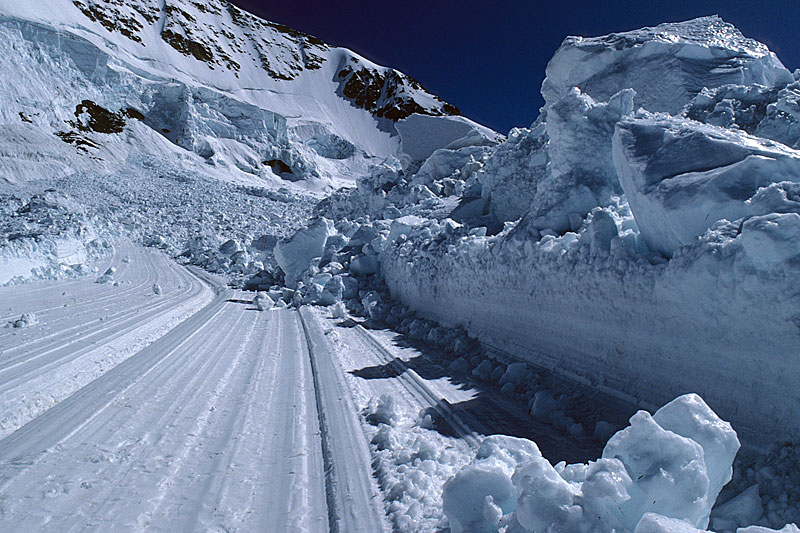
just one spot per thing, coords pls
(387, 94)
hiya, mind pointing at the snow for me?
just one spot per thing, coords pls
(681, 177)
(295, 254)
(422, 135)
(645, 468)
(477, 497)
(25, 320)
(639, 241)
(664, 244)
(743, 509)
(666, 65)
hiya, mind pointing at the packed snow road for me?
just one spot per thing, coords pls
(213, 426)
(158, 399)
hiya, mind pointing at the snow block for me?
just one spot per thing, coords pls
(421, 135)
(667, 65)
(403, 226)
(581, 173)
(364, 265)
(482, 492)
(690, 417)
(770, 240)
(294, 254)
(670, 471)
(681, 177)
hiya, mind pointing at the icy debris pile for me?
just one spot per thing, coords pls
(629, 213)
(224, 228)
(652, 210)
(412, 462)
(661, 469)
(768, 112)
(432, 187)
(47, 236)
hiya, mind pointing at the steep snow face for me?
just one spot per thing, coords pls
(666, 65)
(248, 97)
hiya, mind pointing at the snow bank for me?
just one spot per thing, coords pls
(711, 300)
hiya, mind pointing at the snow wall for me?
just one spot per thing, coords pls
(657, 254)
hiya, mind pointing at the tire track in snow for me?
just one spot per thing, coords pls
(354, 501)
(417, 387)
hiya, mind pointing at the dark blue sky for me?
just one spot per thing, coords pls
(488, 58)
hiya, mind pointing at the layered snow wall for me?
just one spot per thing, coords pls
(652, 236)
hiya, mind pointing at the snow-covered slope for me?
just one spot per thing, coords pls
(245, 95)
(178, 122)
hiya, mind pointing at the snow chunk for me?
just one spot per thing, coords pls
(472, 497)
(560, 168)
(230, 247)
(681, 177)
(382, 411)
(107, 276)
(771, 239)
(364, 265)
(25, 320)
(262, 301)
(667, 65)
(690, 417)
(294, 255)
(421, 135)
(675, 473)
(655, 523)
